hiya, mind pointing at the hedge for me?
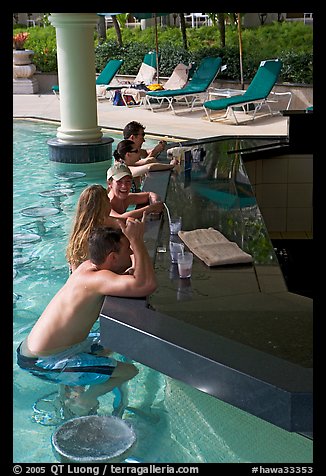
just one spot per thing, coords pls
(261, 43)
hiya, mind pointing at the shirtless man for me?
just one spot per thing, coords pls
(59, 345)
(119, 180)
(136, 132)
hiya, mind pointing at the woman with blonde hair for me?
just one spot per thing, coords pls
(93, 210)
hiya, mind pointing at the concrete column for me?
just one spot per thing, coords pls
(76, 75)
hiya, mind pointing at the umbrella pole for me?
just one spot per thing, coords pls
(156, 44)
(240, 50)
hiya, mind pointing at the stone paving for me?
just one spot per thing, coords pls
(186, 124)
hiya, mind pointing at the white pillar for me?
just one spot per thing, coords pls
(77, 76)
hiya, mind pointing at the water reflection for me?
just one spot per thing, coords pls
(211, 188)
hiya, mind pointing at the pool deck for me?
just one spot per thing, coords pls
(185, 124)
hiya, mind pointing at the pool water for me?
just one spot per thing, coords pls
(174, 423)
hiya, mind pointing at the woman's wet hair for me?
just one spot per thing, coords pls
(93, 209)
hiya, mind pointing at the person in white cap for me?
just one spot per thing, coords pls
(119, 180)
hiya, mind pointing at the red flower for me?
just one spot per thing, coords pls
(19, 40)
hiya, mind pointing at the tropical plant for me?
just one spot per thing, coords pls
(19, 40)
(122, 19)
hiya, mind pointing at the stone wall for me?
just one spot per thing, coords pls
(46, 81)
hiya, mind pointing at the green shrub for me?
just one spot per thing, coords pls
(133, 57)
(205, 36)
(170, 56)
(168, 36)
(106, 51)
(297, 67)
(45, 58)
(292, 42)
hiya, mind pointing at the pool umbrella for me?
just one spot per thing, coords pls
(144, 16)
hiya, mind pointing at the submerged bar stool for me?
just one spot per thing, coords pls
(48, 410)
(70, 175)
(70, 185)
(94, 439)
(15, 295)
(20, 242)
(20, 261)
(57, 195)
(15, 298)
(69, 179)
(39, 212)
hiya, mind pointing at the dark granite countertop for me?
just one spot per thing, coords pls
(234, 332)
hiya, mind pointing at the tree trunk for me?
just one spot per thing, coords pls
(221, 26)
(183, 30)
(101, 29)
(117, 29)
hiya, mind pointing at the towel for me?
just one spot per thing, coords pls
(101, 90)
(145, 74)
(178, 78)
(137, 94)
(213, 247)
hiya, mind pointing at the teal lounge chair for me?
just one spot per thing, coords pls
(257, 93)
(198, 84)
(106, 75)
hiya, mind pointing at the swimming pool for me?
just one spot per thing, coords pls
(174, 423)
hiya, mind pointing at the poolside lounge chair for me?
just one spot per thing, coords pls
(103, 79)
(145, 74)
(177, 79)
(198, 84)
(106, 77)
(257, 93)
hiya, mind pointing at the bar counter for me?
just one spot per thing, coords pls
(234, 332)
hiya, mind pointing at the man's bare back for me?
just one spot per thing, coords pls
(60, 348)
(70, 315)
